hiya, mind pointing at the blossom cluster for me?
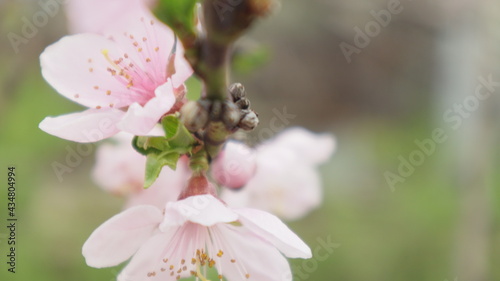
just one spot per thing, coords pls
(129, 72)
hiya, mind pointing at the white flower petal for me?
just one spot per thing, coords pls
(119, 238)
(141, 120)
(76, 67)
(86, 126)
(83, 16)
(311, 147)
(251, 255)
(201, 209)
(289, 191)
(273, 230)
(148, 258)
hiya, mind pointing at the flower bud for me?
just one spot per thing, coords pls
(194, 115)
(243, 103)
(249, 120)
(237, 91)
(230, 114)
(235, 165)
(198, 185)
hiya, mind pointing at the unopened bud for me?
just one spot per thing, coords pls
(243, 103)
(230, 114)
(249, 120)
(194, 115)
(237, 91)
(197, 185)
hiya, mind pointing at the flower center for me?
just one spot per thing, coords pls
(195, 249)
(141, 71)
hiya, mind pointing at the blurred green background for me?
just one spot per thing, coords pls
(441, 223)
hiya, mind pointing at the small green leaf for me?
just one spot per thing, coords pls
(164, 151)
(180, 16)
(176, 133)
(155, 162)
(159, 143)
(139, 143)
(153, 169)
(170, 159)
(170, 125)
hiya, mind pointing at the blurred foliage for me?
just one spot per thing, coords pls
(246, 61)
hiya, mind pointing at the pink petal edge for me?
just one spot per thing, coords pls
(86, 126)
(120, 237)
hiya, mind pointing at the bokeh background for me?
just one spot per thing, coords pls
(440, 223)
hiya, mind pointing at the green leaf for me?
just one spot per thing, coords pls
(159, 143)
(139, 143)
(180, 16)
(176, 133)
(164, 151)
(170, 125)
(155, 162)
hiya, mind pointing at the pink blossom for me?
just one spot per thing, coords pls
(127, 80)
(119, 169)
(98, 16)
(192, 235)
(286, 180)
(102, 16)
(235, 165)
